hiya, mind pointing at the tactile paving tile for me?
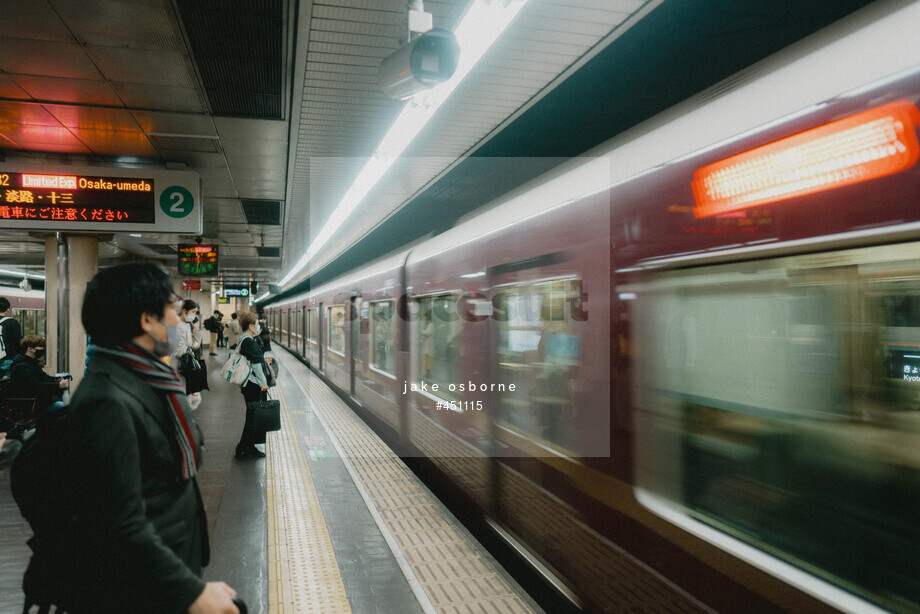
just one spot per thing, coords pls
(304, 575)
(445, 561)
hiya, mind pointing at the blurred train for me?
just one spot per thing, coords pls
(28, 308)
(682, 373)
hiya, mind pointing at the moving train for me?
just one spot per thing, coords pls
(681, 373)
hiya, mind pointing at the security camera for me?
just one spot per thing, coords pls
(24, 285)
(427, 61)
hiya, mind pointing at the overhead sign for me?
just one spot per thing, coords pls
(198, 259)
(191, 284)
(236, 292)
(223, 301)
(103, 199)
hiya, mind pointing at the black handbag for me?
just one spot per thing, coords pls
(271, 372)
(196, 381)
(266, 415)
(188, 363)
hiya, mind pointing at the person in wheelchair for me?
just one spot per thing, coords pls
(27, 379)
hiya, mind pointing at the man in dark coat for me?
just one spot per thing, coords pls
(132, 534)
(29, 379)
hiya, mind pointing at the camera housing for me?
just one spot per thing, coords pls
(427, 61)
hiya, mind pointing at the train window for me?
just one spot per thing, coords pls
(779, 401)
(335, 328)
(383, 336)
(538, 349)
(312, 326)
(437, 360)
(32, 321)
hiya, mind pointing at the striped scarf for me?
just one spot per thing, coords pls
(165, 382)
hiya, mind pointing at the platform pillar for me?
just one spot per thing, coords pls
(76, 258)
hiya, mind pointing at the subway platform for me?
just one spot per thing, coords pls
(331, 521)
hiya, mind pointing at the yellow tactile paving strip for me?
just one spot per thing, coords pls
(438, 557)
(303, 574)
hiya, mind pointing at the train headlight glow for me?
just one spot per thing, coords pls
(868, 145)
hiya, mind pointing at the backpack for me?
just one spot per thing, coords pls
(2, 340)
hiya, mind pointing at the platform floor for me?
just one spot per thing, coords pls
(331, 521)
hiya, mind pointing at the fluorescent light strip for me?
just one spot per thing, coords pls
(261, 297)
(22, 273)
(480, 27)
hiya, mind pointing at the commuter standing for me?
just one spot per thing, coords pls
(189, 343)
(212, 325)
(264, 338)
(255, 387)
(10, 336)
(235, 331)
(129, 533)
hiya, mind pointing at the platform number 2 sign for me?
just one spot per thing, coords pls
(176, 201)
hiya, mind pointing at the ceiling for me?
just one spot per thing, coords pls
(213, 87)
(275, 104)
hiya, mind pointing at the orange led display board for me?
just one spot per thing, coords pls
(868, 145)
(74, 198)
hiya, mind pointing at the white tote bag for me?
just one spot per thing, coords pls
(237, 369)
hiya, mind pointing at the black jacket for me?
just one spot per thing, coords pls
(137, 536)
(28, 379)
(12, 336)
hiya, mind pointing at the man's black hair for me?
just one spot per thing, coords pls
(4, 304)
(233, 315)
(117, 297)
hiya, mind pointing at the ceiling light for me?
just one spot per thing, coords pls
(479, 28)
(25, 275)
(135, 235)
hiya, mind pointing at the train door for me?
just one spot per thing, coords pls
(354, 341)
(320, 334)
(303, 331)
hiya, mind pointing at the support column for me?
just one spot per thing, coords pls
(84, 263)
(70, 262)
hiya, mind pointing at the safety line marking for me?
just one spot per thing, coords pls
(303, 573)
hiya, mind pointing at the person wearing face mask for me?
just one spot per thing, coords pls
(256, 386)
(30, 380)
(128, 532)
(189, 331)
(190, 334)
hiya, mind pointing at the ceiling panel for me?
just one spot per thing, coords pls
(51, 59)
(34, 20)
(110, 23)
(178, 143)
(27, 113)
(112, 143)
(160, 97)
(147, 66)
(60, 89)
(93, 117)
(10, 89)
(175, 124)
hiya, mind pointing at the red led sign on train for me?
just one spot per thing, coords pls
(76, 198)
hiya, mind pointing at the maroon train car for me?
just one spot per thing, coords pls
(683, 372)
